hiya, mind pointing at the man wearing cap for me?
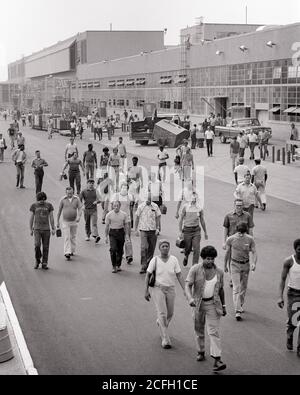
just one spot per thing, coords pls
(91, 199)
(148, 217)
(240, 171)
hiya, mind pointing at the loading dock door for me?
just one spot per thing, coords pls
(221, 106)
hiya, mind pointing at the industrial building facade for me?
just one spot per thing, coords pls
(240, 75)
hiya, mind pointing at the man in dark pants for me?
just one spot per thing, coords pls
(38, 165)
(116, 228)
(19, 157)
(148, 218)
(41, 214)
(291, 269)
(90, 162)
(74, 172)
(91, 199)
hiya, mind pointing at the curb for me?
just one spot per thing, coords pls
(21, 343)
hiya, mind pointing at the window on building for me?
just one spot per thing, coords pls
(96, 84)
(140, 103)
(111, 84)
(276, 73)
(120, 103)
(165, 104)
(120, 83)
(114, 102)
(165, 79)
(90, 84)
(140, 81)
(130, 82)
(294, 72)
(177, 105)
(127, 103)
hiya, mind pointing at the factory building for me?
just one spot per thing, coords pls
(234, 70)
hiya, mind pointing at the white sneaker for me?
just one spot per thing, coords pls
(87, 239)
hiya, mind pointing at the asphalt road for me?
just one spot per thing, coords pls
(79, 318)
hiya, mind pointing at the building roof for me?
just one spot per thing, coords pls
(60, 46)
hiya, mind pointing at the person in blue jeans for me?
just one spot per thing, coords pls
(40, 220)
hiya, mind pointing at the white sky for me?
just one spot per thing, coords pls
(27, 26)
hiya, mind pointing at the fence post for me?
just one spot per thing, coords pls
(283, 156)
(273, 154)
(278, 155)
(289, 157)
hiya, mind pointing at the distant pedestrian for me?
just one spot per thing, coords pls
(294, 132)
(41, 215)
(187, 165)
(79, 128)
(38, 165)
(205, 293)
(73, 128)
(248, 193)
(3, 147)
(71, 149)
(103, 165)
(194, 136)
(71, 209)
(20, 157)
(97, 130)
(209, 136)
(91, 198)
(147, 225)
(167, 271)
(116, 228)
(234, 151)
(90, 162)
(259, 179)
(240, 171)
(114, 168)
(291, 269)
(12, 136)
(238, 248)
(50, 128)
(23, 117)
(162, 157)
(20, 139)
(243, 141)
(122, 153)
(253, 140)
(192, 216)
(74, 165)
(264, 141)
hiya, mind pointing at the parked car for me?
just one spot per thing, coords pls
(236, 126)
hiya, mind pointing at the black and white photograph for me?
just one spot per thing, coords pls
(150, 190)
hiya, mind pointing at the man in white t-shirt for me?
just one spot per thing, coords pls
(240, 171)
(209, 135)
(162, 156)
(71, 149)
(253, 139)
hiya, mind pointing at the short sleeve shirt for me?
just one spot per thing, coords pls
(116, 220)
(147, 216)
(209, 135)
(162, 156)
(165, 271)
(41, 211)
(247, 193)
(240, 246)
(241, 171)
(259, 172)
(232, 220)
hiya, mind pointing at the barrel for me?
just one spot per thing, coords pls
(6, 352)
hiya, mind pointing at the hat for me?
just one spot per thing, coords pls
(105, 149)
(164, 241)
(91, 180)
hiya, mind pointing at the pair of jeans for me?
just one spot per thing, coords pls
(207, 314)
(239, 276)
(70, 233)
(20, 174)
(192, 238)
(242, 152)
(98, 132)
(38, 181)
(252, 148)
(293, 305)
(164, 300)
(117, 240)
(41, 238)
(148, 245)
(209, 145)
(91, 216)
(75, 177)
(89, 170)
(1, 154)
(234, 160)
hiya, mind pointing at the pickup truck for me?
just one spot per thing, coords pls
(236, 126)
(142, 131)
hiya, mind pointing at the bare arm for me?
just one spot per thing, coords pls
(59, 212)
(227, 257)
(51, 217)
(226, 233)
(181, 221)
(181, 281)
(65, 166)
(178, 208)
(203, 224)
(31, 222)
(285, 271)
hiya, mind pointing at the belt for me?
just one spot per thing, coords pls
(241, 262)
(294, 290)
(207, 299)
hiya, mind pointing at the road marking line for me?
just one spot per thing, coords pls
(21, 342)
